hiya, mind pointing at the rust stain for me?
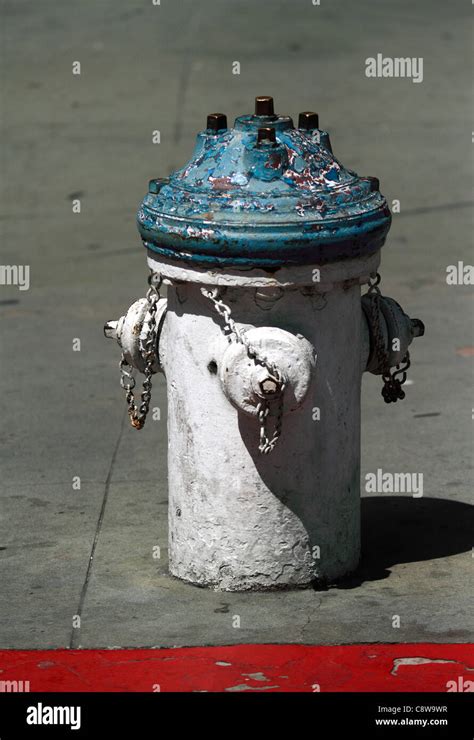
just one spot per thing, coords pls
(221, 183)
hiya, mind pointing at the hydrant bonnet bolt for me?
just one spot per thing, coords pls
(266, 135)
(216, 122)
(308, 121)
(374, 184)
(264, 106)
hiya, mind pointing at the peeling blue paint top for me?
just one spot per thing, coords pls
(261, 203)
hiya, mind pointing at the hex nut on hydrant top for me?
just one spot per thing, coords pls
(263, 240)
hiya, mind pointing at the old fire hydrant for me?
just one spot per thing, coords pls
(263, 239)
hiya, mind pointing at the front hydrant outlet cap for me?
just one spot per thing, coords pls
(263, 194)
(246, 383)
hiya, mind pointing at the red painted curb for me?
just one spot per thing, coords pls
(414, 667)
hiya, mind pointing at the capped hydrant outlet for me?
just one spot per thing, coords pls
(284, 371)
(131, 332)
(391, 332)
(263, 240)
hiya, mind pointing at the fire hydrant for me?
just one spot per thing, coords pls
(263, 240)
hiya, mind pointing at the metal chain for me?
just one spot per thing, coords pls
(138, 413)
(233, 332)
(392, 388)
(266, 444)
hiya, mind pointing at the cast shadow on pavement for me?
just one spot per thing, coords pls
(403, 529)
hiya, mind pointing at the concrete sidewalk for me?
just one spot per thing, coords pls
(89, 552)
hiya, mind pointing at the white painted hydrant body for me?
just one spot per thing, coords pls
(263, 340)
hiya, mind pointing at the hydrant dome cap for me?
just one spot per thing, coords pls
(263, 194)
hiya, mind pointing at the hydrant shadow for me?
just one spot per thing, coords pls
(403, 529)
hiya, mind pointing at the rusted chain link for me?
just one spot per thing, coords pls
(138, 413)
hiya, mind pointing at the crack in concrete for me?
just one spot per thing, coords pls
(309, 617)
(76, 631)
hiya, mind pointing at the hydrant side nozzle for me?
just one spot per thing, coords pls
(287, 373)
(392, 327)
(131, 332)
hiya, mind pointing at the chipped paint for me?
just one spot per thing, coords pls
(332, 667)
(419, 661)
(272, 204)
(256, 676)
(246, 687)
